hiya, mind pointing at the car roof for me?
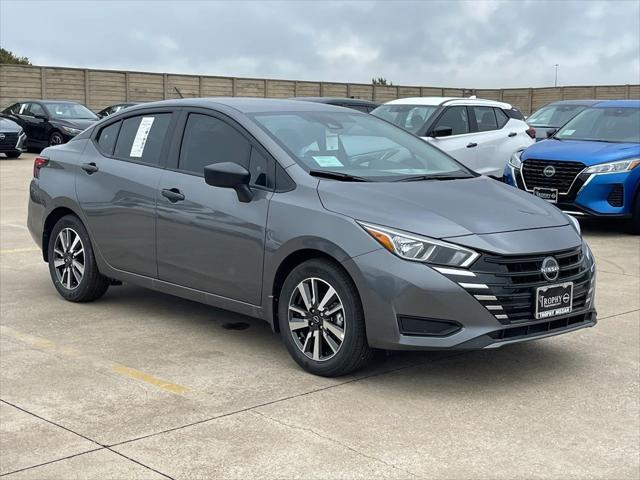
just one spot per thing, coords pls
(441, 101)
(353, 101)
(244, 104)
(585, 102)
(618, 104)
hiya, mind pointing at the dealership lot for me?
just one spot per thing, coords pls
(144, 385)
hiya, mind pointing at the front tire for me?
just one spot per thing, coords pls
(72, 264)
(56, 138)
(635, 220)
(12, 154)
(321, 320)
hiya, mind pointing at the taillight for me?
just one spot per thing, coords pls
(531, 132)
(38, 163)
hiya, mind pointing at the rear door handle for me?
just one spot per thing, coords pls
(173, 194)
(471, 145)
(512, 134)
(89, 167)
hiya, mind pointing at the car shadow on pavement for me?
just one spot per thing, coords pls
(512, 364)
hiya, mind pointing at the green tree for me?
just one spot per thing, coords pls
(8, 57)
(381, 81)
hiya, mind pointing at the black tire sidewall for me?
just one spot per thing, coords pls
(354, 326)
(91, 274)
(51, 144)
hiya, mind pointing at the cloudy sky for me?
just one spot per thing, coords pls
(473, 44)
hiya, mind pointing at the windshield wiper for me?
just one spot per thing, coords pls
(418, 178)
(345, 177)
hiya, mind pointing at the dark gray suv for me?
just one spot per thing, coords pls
(341, 230)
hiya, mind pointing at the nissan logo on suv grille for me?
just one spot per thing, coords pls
(549, 171)
(550, 269)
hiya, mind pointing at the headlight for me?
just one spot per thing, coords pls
(614, 167)
(575, 223)
(515, 161)
(420, 249)
(71, 130)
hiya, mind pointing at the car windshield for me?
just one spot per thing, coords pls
(358, 145)
(618, 125)
(554, 115)
(70, 110)
(409, 117)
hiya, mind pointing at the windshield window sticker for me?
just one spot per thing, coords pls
(327, 161)
(141, 137)
(332, 141)
(568, 132)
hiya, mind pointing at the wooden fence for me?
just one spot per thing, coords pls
(100, 88)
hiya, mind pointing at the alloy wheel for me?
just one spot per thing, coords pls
(317, 319)
(68, 258)
(56, 139)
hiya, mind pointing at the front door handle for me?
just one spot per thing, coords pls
(512, 134)
(173, 194)
(471, 145)
(89, 167)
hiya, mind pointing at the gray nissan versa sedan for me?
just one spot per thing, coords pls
(341, 230)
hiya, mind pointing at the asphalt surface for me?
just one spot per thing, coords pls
(144, 385)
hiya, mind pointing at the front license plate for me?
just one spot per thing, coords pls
(554, 300)
(548, 194)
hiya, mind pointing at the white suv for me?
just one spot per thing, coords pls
(481, 134)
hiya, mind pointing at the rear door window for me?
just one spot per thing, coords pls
(107, 138)
(141, 138)
(501, 117)
(456, 119)
(485, 118)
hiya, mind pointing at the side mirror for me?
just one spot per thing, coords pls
(442, 132)
(229, 175)
(39, 116)
(551, 132)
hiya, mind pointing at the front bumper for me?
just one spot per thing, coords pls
(593, 195)
(13, 142)
(393, 290)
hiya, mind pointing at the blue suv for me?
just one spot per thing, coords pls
(590, 167)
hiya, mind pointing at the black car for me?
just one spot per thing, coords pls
(12, 138)
(365, 106)
(110, 110)
(50, 122)
(548, 119)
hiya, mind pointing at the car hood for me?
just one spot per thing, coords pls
(9, 126)
(441, 209)
(589, 153)
(80, 123)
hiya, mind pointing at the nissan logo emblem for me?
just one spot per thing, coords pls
(550, 269)
(549, 171)
(1, 136)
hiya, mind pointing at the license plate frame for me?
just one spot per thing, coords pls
(553, 307)
(548, 194)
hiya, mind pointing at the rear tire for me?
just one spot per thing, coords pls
(321, 320)
(72, 264)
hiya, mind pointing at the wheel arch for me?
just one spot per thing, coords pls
(286, 266)
(52, 218)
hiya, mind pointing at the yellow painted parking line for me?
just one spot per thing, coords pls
(128, 372)
(144, 377)
(19, 250)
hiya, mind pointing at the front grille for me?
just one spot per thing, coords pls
(10, 140)
(552, 326)
(616, 196)
(507, 285)
(562, 178)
